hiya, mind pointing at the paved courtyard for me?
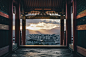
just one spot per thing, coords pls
(42, 52)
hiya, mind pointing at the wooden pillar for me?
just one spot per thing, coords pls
(20, 39)
(23, 30)
(10, 24)
(17, 25)
(64, 37)
(62, 32)
(74, 26)
(68, 22)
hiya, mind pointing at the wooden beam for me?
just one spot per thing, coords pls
(10, 24)
(47, 9)
(81, 27)
(4, 15)
(4, 27)
(38, 8)
(62, 31)
(81, 50)
(81, 15)
(17, 24)
(23, 30)
(43, 17)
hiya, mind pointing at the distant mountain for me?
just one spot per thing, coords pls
(27, 32)
(42, 31)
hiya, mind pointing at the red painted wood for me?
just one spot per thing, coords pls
(4, 15)
(47, 9)
(68, 22)
(17, 24)
(23, 30)
(81, 15)
(14, 2)
(71, 1)
(62, 32)
(74, 26)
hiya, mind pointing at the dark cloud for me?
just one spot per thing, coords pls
(49, 21)
(33, 20)
(39, 20)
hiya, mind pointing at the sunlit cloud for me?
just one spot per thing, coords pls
(55, 14)
(42, 25)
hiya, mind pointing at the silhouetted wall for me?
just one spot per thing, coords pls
(81, 31)
(4, 23)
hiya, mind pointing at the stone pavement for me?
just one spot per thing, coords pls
(42, 52)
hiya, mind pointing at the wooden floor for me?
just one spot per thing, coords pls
(42, 52)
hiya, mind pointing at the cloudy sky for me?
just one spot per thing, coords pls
(41, 26)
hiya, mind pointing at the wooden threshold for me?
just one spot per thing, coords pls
(43, 46)
(81, 50)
